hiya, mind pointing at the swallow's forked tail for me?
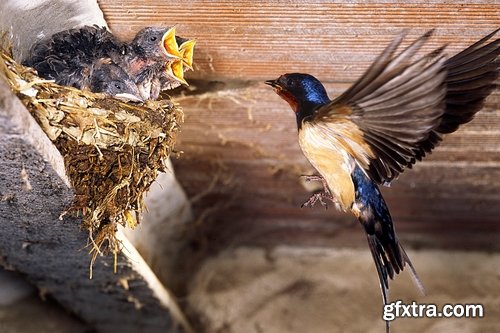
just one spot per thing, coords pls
(389, 259)
(389, 256)
(384, 256)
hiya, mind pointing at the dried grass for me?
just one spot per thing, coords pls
(112, 150)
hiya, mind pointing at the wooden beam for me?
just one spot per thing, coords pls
(244, 141)
(334, 40)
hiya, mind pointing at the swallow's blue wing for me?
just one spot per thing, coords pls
(395, 104)
(403, 106)
(471, 78)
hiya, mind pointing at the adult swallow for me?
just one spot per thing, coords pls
(81, 58)
(391, 117)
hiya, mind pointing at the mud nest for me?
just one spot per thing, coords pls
(112, 150)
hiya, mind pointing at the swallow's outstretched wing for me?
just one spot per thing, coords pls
(471, 76)
(403, 106)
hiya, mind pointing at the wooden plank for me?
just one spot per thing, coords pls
(53, 252)
(241, 161)
(245, 145)
(336, 41)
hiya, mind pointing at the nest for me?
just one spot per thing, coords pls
(112, 150)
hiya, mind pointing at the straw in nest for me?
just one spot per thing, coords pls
(112, 150)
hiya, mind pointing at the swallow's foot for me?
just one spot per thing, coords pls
(319, 196)
(315, 198)
(314, 178)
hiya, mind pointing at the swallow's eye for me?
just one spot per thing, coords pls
(118, 86)
(153, 38)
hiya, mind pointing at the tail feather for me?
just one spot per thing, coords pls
(389, 256)
(414, 276)
(383, 268)
(383, 255)
(387, 267)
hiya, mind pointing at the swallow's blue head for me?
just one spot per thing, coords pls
(303, 92)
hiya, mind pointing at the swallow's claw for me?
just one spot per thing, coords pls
(313, 178)
(319, 196)
(312, 201)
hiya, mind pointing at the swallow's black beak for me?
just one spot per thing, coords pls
(272, 83)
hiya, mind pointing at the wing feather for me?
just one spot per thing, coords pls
(375, 69)
(396, 108)
(403, 106)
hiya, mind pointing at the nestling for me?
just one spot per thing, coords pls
(81, 58)
(154, 60)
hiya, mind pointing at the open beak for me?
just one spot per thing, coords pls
(129, 97)
(176, 70)
(272, 83)
(187, 50)
(170, 45)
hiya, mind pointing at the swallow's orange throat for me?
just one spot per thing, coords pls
(290, 98)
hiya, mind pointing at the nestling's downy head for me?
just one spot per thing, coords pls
(156, 42)
(110, 79)
(160, 46)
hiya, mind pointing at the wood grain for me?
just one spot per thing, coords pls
(336, 41)
(241, 162)
(244, 141)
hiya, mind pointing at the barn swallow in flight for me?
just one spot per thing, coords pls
(394, 115)
(155, 60)
(81, 58)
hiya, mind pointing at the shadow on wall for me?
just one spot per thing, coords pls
(30, 20)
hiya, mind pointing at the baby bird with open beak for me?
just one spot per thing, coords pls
(155, 60)
(173, 76)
